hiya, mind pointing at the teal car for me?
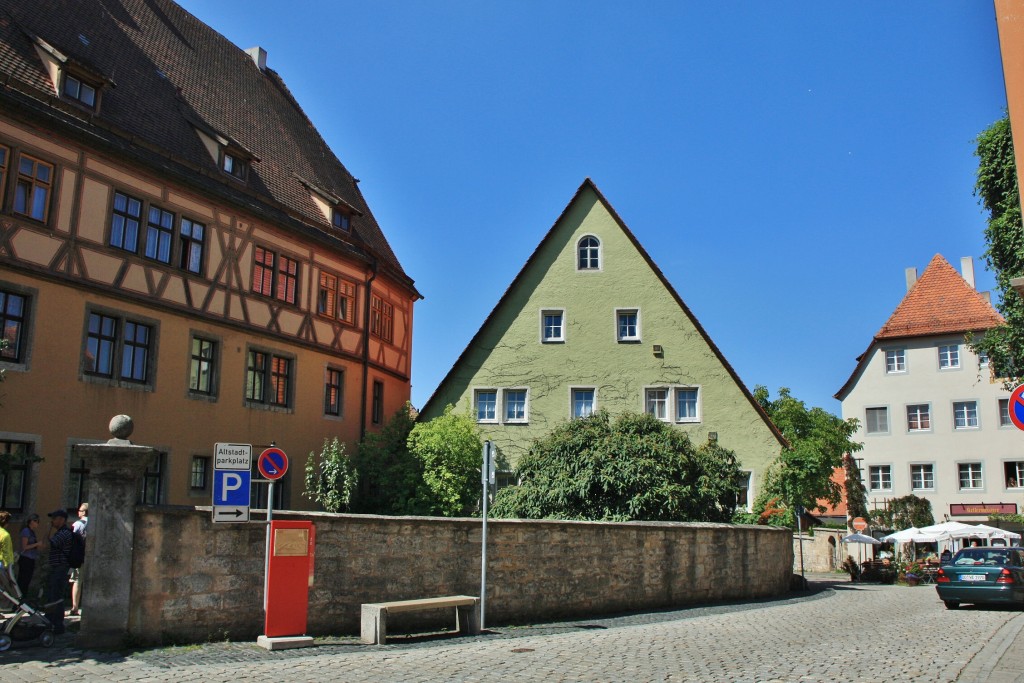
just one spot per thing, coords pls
(982, 575)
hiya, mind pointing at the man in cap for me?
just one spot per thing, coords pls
(57, 582)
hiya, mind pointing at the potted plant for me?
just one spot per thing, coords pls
(912, 574)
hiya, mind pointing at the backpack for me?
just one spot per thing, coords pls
(76, 551)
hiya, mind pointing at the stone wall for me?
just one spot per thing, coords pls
(194, 580)
(822, 549)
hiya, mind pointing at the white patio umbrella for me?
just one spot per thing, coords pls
(860, 538)
(911, 535)
(944, 531)
(984, 531)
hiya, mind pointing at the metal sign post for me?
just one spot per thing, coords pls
(272, 464)
(486, 478)
(800, 536)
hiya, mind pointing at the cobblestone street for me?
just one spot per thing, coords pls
(837, 632)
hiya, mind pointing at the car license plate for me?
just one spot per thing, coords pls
(972, 577)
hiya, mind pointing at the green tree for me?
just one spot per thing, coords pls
(330, 477)
(903, 513)
(856, 493)
(448, 449)
(802, 474)
(635, 468)
(997, 190)
(389, 475)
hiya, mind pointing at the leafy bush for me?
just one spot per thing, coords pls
(635, 468)
(330, 477)
(448, 449)
(389, 475)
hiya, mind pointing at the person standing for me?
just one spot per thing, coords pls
(6, 557)
(30, 545)
(57, 582)
(79, 528)
(6, 544)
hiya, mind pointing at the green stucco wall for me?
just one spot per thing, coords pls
(508, 353)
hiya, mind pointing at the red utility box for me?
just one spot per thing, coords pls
(289, 576)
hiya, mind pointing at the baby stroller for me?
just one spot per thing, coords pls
(25, 624)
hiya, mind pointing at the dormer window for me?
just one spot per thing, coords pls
(73, 80)
(233, 165)
(340, 219)
(79, 91)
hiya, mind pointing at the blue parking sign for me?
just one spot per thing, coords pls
(231, 487)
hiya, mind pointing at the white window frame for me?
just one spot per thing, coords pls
(600, 254)
(572, 401)
(543, 326)
(1019, 472)
(1003, 408)
(872, 469)
(750, 490)
(665, 402)
(619, 312)
(931, 422)
(966, 406)
(980, 477)
(504, 405)
(949, 356)
(699, 407)
(476, 404)
(899, 362)
(913, 482)
(888, 425)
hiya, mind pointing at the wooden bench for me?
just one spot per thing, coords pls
(374, 622)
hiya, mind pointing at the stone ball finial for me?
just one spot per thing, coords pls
(121, 426)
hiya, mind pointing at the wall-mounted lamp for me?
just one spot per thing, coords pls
(658, 351)
(713, 437)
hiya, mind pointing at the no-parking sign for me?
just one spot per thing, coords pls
(1017, 407)
(272, 463)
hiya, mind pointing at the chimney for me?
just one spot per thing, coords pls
(259, 55)
(911, 275)
(967, 268)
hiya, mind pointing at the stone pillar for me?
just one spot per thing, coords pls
(116, 469)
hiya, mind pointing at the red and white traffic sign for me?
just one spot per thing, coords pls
(272, 463)
(860, 524)
(1017, 407)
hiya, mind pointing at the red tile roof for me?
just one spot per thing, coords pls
(940, 302)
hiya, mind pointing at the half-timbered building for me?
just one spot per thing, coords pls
(178, 244)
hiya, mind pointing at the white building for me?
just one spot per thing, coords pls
(932, 419)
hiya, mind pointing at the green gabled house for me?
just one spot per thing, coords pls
(590, 323)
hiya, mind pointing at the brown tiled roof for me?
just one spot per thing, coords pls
(940, 302)
(170, 71)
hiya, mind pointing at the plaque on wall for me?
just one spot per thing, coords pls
(291, 542)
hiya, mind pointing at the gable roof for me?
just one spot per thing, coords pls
(940, 302)
(165, 75)
(588, 184)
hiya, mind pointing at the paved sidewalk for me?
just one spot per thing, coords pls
(836, 632)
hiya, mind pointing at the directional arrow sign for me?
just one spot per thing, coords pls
(230, 513)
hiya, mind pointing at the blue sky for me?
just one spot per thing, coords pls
(782, 162)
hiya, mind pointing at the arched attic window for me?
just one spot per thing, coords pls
(588, 254)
